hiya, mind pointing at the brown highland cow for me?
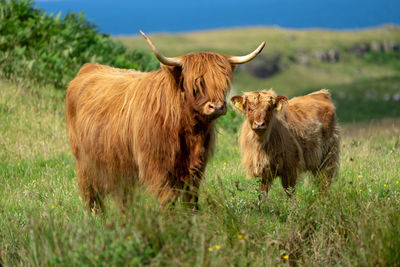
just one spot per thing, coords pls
(283, 138)
(155, 129)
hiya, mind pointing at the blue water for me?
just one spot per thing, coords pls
(127, 17)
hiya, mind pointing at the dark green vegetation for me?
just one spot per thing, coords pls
(356, 222)
(49, 50)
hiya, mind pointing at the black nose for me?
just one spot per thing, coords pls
(259, 125)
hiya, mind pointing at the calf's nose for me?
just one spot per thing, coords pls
(259, 124)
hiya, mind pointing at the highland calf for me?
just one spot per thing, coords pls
(283, 138)
(155, 129)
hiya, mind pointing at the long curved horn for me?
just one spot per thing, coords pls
(246, 58)
(170, 61)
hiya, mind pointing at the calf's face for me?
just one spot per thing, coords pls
(260, 108)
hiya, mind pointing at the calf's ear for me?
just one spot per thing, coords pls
(237, 102)
(280, 102)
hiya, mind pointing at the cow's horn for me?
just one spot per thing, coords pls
(246, 58)
(170, 61)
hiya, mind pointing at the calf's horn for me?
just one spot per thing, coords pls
(170, 61)
(246, 58)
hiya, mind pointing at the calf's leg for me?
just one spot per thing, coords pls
(266, 181)
(289, 179)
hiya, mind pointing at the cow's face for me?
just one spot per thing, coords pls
(260, 108)
(205, 80)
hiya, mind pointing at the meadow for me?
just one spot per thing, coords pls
(355, 223)
(43, 221)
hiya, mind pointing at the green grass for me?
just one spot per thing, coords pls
(43, 221)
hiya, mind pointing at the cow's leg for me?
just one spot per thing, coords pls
(91, 196)
(157, 180)
(167, 196)
(93, 200)
(188, 191)
(190, 194)
(124, 196)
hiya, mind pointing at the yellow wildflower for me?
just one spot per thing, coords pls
(217, 247)
(128, 237)
(52, 206)
(397, 182)
(286, 257)
(360, 190)
(242, 236)
(210, 249)
(376, 182)
(384, 185)
(359, 176)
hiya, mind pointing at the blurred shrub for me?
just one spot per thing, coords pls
(391, 58)
(49, 50)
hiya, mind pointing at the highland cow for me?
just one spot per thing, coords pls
(283, 138)
(154, 129)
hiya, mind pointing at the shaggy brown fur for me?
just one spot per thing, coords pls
(152, 128)
(283, 138)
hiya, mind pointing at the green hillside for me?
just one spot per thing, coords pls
(360, 68)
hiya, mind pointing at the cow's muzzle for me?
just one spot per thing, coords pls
(215, 110)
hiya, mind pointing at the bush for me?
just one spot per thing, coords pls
(49, 50)
(391, 58)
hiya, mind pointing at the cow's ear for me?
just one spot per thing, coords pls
(280, 102)
(238, 103)
(176, 72)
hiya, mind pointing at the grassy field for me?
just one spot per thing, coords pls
(357, 222)
(43, 221)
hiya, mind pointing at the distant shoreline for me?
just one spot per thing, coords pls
(257, 27)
